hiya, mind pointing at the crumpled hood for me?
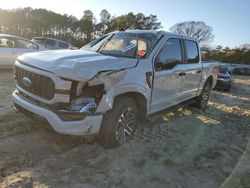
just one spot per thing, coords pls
(75, 64)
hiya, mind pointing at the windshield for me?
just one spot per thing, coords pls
(125, 44)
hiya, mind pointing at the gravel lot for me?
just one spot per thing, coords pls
(184, 148)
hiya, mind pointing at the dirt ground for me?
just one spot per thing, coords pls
(185, 148)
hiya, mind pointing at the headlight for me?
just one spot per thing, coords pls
(83, 105)
(78, 109)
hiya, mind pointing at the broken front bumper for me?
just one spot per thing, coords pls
(88, 126)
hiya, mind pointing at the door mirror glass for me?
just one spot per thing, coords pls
(26, 44)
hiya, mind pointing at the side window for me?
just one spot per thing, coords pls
(170, 55)
(6, 42)
(50, 44)
(39, 41)
(192, 51)
(63, 45)
(26, 44)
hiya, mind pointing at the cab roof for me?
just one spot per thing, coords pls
(161, 32)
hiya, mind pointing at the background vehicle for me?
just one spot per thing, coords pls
(53, 44)
(105, 90)
(13, 46)
(230, 67)
(225, 79)
(245, 71)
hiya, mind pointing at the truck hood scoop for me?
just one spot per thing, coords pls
(75, 64)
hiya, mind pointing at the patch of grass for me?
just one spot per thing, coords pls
(14, 123)
(212, 155)
(155, 179)
(139, 163)
(168, 163)
(245, 179)
(153, 155)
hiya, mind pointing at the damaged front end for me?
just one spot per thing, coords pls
(84, 100)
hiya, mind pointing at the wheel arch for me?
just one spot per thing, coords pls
(210, 80)
(139, 99)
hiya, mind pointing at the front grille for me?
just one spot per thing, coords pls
(39, 85)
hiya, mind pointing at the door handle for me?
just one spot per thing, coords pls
(198, 71)
(182, 74)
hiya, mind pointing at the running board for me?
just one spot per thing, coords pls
(173, 108)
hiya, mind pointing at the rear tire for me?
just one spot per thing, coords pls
(119, 123)
(202, 100)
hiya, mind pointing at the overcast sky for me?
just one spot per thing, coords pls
(230, 19)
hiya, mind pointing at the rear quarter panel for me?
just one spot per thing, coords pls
(208, 70)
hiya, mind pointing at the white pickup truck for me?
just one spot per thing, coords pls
(103, 91)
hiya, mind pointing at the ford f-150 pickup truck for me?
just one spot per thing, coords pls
(105, 89)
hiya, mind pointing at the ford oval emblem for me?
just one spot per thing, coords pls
(26, 82)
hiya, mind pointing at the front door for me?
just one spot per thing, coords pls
(168, 79)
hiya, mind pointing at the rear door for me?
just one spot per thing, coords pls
(167, 81)
(193, 69)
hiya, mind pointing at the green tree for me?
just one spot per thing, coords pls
(28, 23)
(87, 24)
(105, 18)
(132, 21)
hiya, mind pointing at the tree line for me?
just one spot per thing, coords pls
(228, 55)
(29, 22)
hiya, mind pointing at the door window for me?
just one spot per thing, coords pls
(63, 45)
(26, 44)
(50, 44)
(192, 51)
(170, 55)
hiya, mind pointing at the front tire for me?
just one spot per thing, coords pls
(119, 123)
(202, 100)
(228, 88)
